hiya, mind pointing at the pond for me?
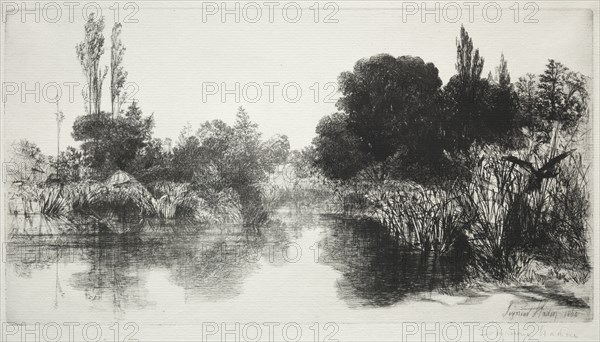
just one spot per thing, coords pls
(309, 267)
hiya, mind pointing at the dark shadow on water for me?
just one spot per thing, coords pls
(376, 270)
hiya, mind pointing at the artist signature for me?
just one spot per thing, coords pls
(543, 310)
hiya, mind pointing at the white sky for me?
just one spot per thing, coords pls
(171, 52)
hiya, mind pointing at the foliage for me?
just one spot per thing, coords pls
(427, 219)
(256, 205)
(70, 165)
(487, 199)
(153, 163)
(478, 110)
(391, 105)
(27, 163)
(337, 151)
(89, 52)
(112, 143)
(562, 94)
(555, 101)
(303, 162)
(510, 226)
(277, 150)
(162, 200)
(170, 200)
(492, 217)
(221, 207)
(220, 157)
(117, 75)
(51, 202)
(397, 121)
(83, 196)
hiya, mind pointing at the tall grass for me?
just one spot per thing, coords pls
(84, 195)
(170, 200)
(510, 227)
(505, 228)
(163, 200)
(222, 207)
(488, 199)
(31, 199)
(427, 219)
(565, 227)
(102, 200)
(51, 201)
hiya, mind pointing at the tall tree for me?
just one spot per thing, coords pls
(245, 157)
(535, 127)
(469, 65)
(59, 119)
(89, 52)
(563, 94)
(118, 75)
(527, 91)
(387, 100)
(562, 99)
(502, 121)
(337, 150)
(113, 143)
(465, 104)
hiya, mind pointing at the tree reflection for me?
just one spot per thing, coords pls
(377, 271)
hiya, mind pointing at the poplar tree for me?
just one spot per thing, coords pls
(89, 52)
(118, 75)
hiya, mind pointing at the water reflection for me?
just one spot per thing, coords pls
(376, 270)
(114, 270)
(211, 264)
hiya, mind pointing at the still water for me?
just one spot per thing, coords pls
(309, 267)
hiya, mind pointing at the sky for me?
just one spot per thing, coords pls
(182, 58)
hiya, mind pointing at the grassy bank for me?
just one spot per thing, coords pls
(508, 230)
(127, 203)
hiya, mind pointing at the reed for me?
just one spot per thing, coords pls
(103, 200)
(427, 219)
(221, 207)
(51, 201)
(511, 224)
(170, 200)
(487, 200)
